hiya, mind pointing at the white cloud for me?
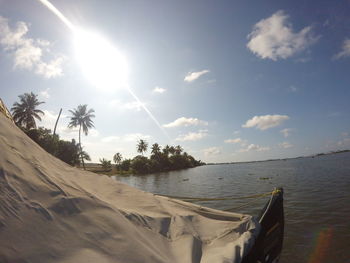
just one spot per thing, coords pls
(134, 105)
(45, 93)
(212, 151)
(94, 133)
(183, 121)
(193, 136)
(65, 131)
(49, 119)
(344, 142)
(159, 90)
(303, 60)
(345, 51)
(107, 146)
(286, 132)
(254, 147)
(265, 122)
(51, 69)
(131, 105)
(274, 38)
(27, 52)
(110, 139)
(292, 88)
(130, 137)
(285, 145)
(237, 140)
(192, 76)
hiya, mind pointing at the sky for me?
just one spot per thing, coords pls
(229, 81)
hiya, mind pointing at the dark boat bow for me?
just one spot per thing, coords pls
(268, 246)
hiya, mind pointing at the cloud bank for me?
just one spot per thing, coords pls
(285, 145)
(211, 151)
(345, 51)
(237, 140)
(286, 132)
(159, 90)
(193, 136)
(265, 122)
(183, 121)
(192, 76)
(254, 147)
(274, 38)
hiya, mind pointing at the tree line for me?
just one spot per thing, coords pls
(161, 159)
(26, 111)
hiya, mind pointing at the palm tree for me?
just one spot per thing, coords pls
(25, 111)
(117, 158)
(84, 155)
(142, 146)
(178, 150)
(166, 150)
(172, 150)
(81, 117)
(155, 149)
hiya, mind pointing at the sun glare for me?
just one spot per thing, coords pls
(102, 63)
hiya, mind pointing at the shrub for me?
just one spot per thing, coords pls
(67, 151)
(106, 165)
(140, 164)
(125, 165)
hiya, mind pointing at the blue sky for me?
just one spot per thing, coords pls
(227, 80)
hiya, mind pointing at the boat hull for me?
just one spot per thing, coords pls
(268, 246)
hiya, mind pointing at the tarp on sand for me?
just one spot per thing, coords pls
(52, 212)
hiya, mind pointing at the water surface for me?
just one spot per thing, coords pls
(317, 199)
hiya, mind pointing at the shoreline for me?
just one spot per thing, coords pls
(284, 159)
(96, 168)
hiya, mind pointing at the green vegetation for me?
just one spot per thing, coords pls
(168, 159)
(84, 155)
(117, 158)
(125, 165)
(64, 150)
(106, 165)
(24, 114)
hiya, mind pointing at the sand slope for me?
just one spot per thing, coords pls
(51, 212)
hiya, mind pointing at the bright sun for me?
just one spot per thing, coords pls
(102, 64)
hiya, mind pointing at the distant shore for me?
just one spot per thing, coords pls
(284, 159)
(98, 169)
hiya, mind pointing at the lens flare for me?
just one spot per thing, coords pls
(102, 63)
(322, 245)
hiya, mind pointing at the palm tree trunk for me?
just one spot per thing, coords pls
(81, 148)
(54, 130)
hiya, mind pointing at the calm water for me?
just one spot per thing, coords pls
(316, 200)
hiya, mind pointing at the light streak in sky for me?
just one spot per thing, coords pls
(58, 13)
